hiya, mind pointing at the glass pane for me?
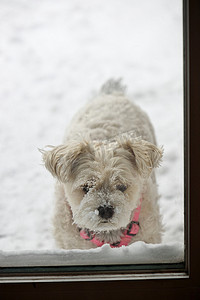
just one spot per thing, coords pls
(55, 55)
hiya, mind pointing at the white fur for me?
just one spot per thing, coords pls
(110, 144)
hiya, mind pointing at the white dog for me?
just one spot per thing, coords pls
(106, 189)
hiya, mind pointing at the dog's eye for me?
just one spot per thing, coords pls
(86, 188)
(121, 187)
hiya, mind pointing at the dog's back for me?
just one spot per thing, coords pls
(110, 114)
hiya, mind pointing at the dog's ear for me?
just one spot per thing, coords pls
(145, 154)
(62, 160)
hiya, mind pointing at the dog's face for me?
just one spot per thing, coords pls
(103, 181)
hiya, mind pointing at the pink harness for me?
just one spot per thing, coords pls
(131, 230)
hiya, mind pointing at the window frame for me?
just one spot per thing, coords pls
(182, 279)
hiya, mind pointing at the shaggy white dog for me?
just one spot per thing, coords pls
(106, 189)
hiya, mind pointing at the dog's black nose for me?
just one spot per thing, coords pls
(106, 212)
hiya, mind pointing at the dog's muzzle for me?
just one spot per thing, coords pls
(127, 234)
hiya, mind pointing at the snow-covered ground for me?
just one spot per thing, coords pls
(54, 55)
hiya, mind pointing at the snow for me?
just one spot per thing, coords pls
(137, 253)
(54, 55)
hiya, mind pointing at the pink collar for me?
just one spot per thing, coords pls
(131, 230)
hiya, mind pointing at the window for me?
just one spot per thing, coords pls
(72, 273)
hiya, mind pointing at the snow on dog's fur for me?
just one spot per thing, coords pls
(103, 168)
